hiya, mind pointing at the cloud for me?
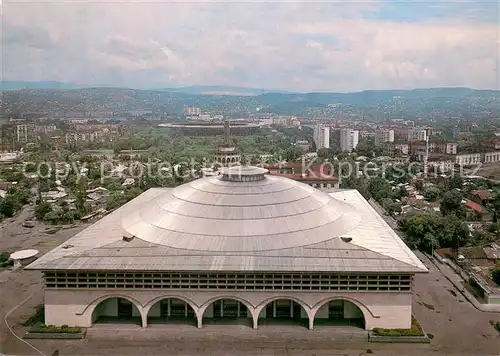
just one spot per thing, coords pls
(341, 46)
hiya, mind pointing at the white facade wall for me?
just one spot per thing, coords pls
(380, 309)
(445, 166)
(287, 121)
(327, 185)
(349, 139)
(384, 136)
(417, 134)
(24, 132)
(451, 148)
(492, 157)
(321, 136)
(192, 111)
(468, 159)
(404, 148)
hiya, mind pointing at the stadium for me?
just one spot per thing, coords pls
(238, 128)
(242, 247)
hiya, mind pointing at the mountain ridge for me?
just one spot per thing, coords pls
(233, 90)
(451, 102)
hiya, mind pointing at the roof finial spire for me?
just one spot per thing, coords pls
(227, 133)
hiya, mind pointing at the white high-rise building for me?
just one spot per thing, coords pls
(384, 136)
(322, 136)
(25, 133)
(192, 111)
(349, 139)
(417, 134)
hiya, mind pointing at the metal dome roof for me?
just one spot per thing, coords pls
(255, 212)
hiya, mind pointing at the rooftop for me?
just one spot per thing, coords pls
(482, 194)
(476, 207)
(266, 224)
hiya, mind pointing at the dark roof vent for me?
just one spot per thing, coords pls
(346, 239)
(128, 238)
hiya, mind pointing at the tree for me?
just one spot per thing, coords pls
(115, 200)
(452, 203)
(430, 230)
(494, 228)
(379, 188)
(495, 275)
(495, 205)
(291, 154)
(366, 147)
(432, 193)
(81, 196)
(422, 230)
(42, 209)
(327, 154)
(419, 185)
(390, 206)
(52, 217)
(8, 206)
(454, 232)
(400, 193)
(456, 182)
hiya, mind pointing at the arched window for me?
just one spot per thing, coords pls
(115, 310)
(283, 311)
(227, 311)
(171, 311)
(339, 312)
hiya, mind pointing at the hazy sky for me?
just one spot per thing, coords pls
(310, 45)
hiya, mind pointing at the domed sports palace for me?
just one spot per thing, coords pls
(243, 246)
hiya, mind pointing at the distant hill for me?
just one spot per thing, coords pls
(19, 85)
(448, 102)
(193, 89)
(220, 90)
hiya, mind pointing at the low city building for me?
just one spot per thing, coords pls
(243, 246)
(476, 211)
(481, 196)
(442, 165)
(395, 149)
(10, 157)
(419, 148)
(468, 159)
(492, 157)
(384, 136)
(303, 145)
(494, 144)
(315, 175)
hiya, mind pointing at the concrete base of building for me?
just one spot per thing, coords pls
(389, 310)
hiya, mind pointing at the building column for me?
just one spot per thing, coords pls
(144, 318)
(255, 319)
(274, 309)
(169, 307)
(311, 323)
(255, 312)
(311, 313)
(199, 319)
